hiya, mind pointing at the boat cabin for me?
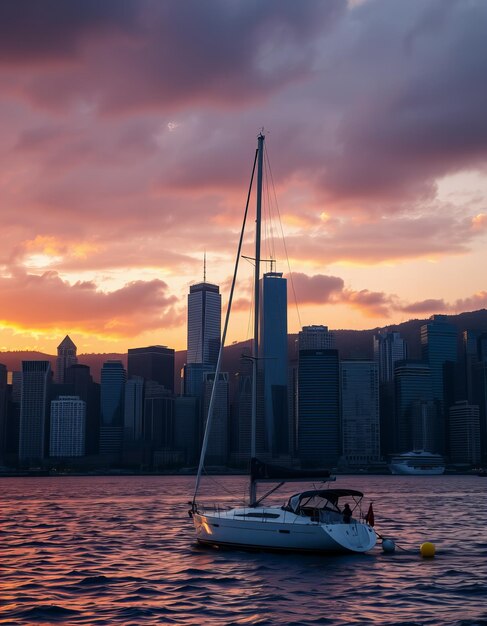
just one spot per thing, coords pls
(324, 505)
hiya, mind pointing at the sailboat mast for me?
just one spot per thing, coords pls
(255, 351)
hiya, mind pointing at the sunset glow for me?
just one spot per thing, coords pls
(128, 134)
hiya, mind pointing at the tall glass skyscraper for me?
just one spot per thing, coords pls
(318, 408)
(36, 379)
(360, 412)
(438, 346)
(388, 348)
(274, 361)
(113, 378)
(204, 323)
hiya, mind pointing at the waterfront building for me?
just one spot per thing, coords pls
(318, 429)
(359, 387)
(66, 356)
(273, 363)
(34, 426)
(67, 433)
(152, 363)
(464, 433)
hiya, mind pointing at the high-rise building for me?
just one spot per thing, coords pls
(152, 363)
(34, 427)
(318, 408)
(389, 347)
(360, 412)
(80, 380)
(158, 417)
(316, 337)
(204, 323)
(186, 428)
(413, 386)
(438, 347)
(3, 410)
(66, 356)
(68, 421)
(217, 451)
(134, 408)
(274, 361)
(113, 378)
(464, 433)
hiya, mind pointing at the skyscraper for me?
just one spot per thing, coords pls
(388, 348)
(413, 386)
(204, 323)
(464, 433)
(217, 452)
(360, 412)
(152, 363)
(316, 337)
(318, 408)
(113, 378)
(438, 346)
(68, 422)
(33, 437)
(274, 361)
(66, 356)
(3, 411)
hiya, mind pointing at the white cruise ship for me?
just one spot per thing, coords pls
(417, 463)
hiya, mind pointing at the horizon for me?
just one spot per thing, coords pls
(128, 137)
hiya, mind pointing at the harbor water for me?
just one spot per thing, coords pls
(121, 550)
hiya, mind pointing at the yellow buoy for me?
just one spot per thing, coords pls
(427, 549)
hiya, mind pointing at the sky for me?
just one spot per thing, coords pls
(128, 130)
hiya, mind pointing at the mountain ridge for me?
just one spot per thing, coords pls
(352, 344)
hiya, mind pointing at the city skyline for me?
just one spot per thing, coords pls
(126, 158)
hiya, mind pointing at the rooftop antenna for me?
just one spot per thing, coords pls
(204, 267)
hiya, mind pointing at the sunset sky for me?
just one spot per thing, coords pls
(128, 130)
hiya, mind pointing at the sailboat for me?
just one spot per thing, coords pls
(314, 520)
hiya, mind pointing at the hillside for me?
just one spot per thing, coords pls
(352, 344)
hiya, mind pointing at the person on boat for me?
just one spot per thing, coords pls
(347, 514)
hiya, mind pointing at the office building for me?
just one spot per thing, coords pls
(464, 433)
(204, 323)
(318, 429)
(152, 363)
(67, 433)
(134, 408)
(66, 356)
(112, 395)
(316, 337)
(413, 388)
(218, 449)
(360, 412)
(34, 426)
(273, 361)
(389, 347)
(438, 347)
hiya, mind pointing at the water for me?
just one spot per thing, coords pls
(121, 550)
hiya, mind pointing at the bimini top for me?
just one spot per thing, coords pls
(324, 495)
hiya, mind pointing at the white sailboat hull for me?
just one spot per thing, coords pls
(274, 529)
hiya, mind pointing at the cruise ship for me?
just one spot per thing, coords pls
(417, 463)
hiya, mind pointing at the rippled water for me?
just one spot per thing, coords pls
(121, 550)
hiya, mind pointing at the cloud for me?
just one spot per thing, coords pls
(425, 306)
(46, 302)
(318, 289)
